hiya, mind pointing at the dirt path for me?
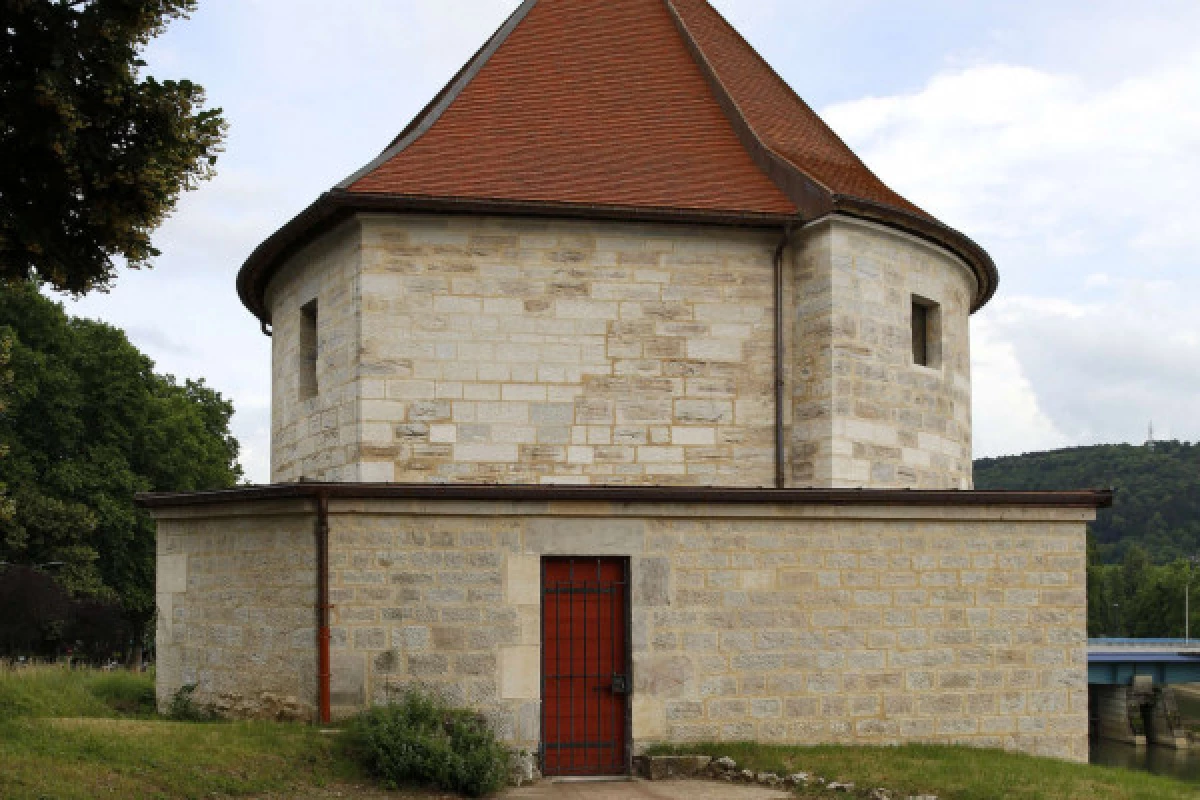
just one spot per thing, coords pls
(570, 790)
(641, 790)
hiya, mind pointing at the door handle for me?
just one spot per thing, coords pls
(619, 685)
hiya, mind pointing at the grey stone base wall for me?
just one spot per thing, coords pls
(800, 624)
(236, 597)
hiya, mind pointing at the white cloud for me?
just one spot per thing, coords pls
(312, 91)
(1004, 401)
(1078, 179)
(1084, 196)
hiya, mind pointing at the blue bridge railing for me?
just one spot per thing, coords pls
(1143, 643)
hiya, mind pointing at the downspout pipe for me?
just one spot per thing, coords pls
(780, 353)
(323, 661)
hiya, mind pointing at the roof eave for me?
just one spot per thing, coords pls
(337, 204)
(987, 277)
(815, 200)
(935, 498)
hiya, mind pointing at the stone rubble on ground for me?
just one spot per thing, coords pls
(726, 769)
(523, 768)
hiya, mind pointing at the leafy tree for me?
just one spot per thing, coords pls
(36, 610)
(1139, 550)
(90, 425)
(93, 155)
(6, 342)
(1157, 504)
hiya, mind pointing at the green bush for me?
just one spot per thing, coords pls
(183, 707)
(420, 741)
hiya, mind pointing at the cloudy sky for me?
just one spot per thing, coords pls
(1063, 135)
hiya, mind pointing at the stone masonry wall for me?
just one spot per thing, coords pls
(317, 438)
(505, 350)
(864, 415)
(798, 624)
(523, 351)
(801, 624)
(236, 598)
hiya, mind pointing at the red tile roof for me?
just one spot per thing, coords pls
(586, 101)
(781, 120)
(639, 109)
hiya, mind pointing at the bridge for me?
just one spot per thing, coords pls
(1129, 682)
(1116, 662)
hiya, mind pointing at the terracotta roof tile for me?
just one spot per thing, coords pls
(616, 109)
(591, 102)
(782, 120)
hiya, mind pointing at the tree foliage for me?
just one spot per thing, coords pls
(6, 343)
(1140, 550)
(1144, 600)
(93, 155)
(1157, 503)
(89, 425)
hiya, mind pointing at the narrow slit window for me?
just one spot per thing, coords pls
(308, 351)
(926, 333)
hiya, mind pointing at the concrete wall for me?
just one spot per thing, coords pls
(504, 350)
(801, 624)
(863, 413)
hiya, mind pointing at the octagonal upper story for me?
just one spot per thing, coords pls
(586, 224)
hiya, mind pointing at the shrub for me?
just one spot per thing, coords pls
(183, 706)
(420, 741)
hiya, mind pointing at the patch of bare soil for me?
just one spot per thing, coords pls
(353, 792)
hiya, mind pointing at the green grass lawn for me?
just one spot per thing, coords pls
(67, 734)
(951, 773)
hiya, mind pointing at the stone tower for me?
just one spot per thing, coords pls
(617, 249)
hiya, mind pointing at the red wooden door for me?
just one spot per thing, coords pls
(585, 673)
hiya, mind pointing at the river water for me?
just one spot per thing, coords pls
(1182, 764)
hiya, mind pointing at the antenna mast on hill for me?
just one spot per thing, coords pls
(1150, 433)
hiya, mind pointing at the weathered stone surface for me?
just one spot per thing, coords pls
(523, 768)
(863, 414)
(644, 360)
(237, 613)
(427, 594)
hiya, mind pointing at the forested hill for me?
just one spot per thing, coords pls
(1157, 501)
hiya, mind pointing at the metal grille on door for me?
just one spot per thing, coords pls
(585, 666)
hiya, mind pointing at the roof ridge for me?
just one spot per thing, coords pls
(698, 52)
(812, 118)
(648, 110)
(738, 118)
(790, 90)
(427, 117)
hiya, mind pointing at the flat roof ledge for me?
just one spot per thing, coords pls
(1088, 500)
